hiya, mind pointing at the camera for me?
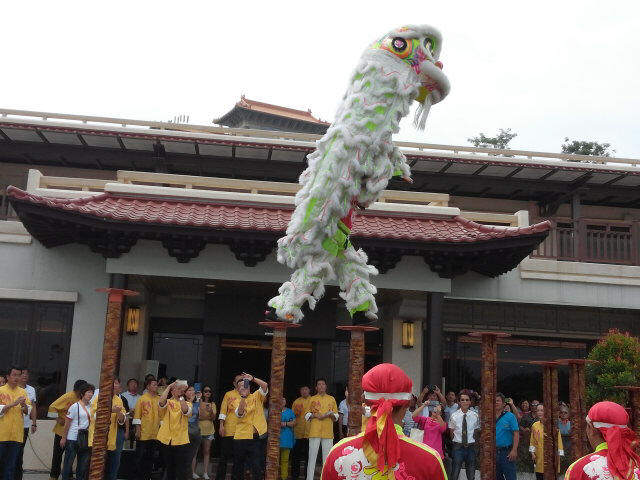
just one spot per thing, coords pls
(246, 383)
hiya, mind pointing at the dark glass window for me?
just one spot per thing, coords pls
(36, 335)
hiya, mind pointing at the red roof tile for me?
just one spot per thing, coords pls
(161, 211)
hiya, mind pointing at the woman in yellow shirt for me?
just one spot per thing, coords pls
(173, 433)
(536, 443)
(207, 428)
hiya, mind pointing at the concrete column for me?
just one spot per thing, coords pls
(134, 347)
(409, 359)
(432, 345)
(210, 363)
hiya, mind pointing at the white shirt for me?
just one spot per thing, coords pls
(455, 424)
(343, 408)
(31, 393)
(79, 419)
(131, 399)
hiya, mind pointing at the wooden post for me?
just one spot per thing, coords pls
(577, 405)
(111, 345)
(550, 401)
(356, 372)
(276, 383)
(634, 398)
(488, 402)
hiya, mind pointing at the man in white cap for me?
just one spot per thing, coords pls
(382, 450)
(614, 442)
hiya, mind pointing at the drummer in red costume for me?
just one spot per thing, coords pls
(614, 457)
(382, 452)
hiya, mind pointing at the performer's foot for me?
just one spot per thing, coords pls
(360, 318)
(270, 315)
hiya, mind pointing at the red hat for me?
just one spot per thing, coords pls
(385, 386)
(612, 421)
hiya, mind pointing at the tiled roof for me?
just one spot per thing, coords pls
(242, 217)
(305, 116)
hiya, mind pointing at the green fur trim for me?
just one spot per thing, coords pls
(307, 215)
(398, 173)
(363, 307)
(371, 126)
(339, 242)
(380, 109)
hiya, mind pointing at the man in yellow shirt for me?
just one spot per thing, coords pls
(117, 418)
(249, 426)
(322, 412)
(14, 403)
(300, 450)
(146, 421)
(227, 428)
(58, 410)
(173, 433)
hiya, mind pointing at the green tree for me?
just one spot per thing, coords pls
(582, 147)
(617, 357)
(501, 140)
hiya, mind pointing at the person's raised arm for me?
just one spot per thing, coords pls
(438, 393)
(418, 410)
(264, 386)
(162, 401)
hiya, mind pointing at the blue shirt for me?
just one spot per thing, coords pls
(195, 411)
(505, 426)
(286, 433)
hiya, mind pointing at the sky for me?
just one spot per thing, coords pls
(546, 69)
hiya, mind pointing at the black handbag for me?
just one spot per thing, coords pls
(83, 433)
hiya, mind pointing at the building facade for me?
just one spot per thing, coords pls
(542, 246)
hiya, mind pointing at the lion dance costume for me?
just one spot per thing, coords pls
(383, 452)
(615, 458)
(351, 166)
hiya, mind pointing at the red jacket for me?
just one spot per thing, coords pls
(592, 466)
(347, 461)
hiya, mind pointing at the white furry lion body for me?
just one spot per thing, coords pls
(351, 166)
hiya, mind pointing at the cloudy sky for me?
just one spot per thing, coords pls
(545, 69)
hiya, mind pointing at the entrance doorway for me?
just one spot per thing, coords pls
(254, 357)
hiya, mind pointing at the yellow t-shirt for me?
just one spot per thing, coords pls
(146, 415)
(230, 402)
(116, 401)
(173, 428)
(322, 404)
(253, 420)
(300, 406)
(206, 424)
(11, 420)
(536, 445)
(59, 409)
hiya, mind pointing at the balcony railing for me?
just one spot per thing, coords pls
(592, 241)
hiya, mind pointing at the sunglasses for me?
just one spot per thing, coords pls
(206, 391)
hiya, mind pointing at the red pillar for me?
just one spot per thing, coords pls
(550, 401)
(111, 345)
(488, 401)
(356, 372)
(276, 383)
(577, 405)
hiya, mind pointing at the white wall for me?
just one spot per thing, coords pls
(72, 268)
(409, 359)
(511, 287)
(217, 262)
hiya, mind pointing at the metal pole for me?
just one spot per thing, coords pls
(112, 333)
(276, 383)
